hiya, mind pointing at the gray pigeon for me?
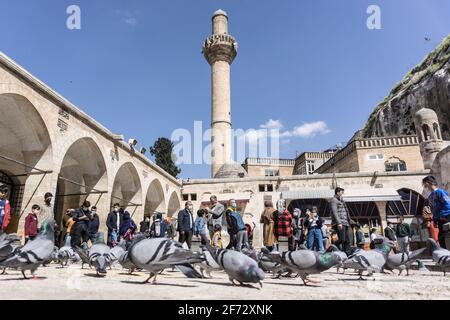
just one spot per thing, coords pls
(209, 264)
(65, 253)
(157, 254)
(9, 244)
(238, 266)
(100, 255)
(118, 251)
(267, 265)
(342, 254)
(305, 262)
(371, 261)
(35, 252)
(441, 256)
(124, 258)
(83, 254)
(403, 261)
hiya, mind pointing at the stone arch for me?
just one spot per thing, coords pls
(412, 203)
(127, 189)
(83, 176)
(25, 148)
(174, 204)
(437, 131)
(155, 199)
(426, 132)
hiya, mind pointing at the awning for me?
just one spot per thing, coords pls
(350, 195)
(308, 194)
(374, 194)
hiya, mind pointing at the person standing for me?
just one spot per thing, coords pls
(5, 209)
(113, 222)
(68, 225)
(47, 210)
(144, 225)
(158, 229)
(313, 224)
(200, 226)
(216, 240)
(31, 223)
(93, 225)
(268, 225)
(389, 232)
(341, 220)
(439, 202)
(297, 228)
(428, 218)
(215, 214)
(236, 227)
(79, 232)
(127, 227)
(403, 235)
(283, 224)
(186, 224)
(360, 238)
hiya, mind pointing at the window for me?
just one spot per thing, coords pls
(270, 187)
(185, 197)
(271, 173)
(262, 188)
(193, 196)
(310, 167)
(395, 164)
(426, 132)
(266, 188)
(376, 157)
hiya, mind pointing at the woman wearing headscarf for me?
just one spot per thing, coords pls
(127, 227)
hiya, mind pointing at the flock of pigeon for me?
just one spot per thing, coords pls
(243, 268)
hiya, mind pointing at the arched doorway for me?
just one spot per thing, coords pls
(174, 205)
(127, 190)
(323, 206)
(83, 176)
(412, 204)
(25, 153)
(154, 200)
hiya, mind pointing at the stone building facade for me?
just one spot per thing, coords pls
(49, 145)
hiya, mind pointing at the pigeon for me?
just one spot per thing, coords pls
(124, 259)
(9, 244)
(371, 261)
(65, 253)
(118, 251)
(305, 262)
(209, 264)
(403, 261)
(267, 265)
(342, 254)
(100, 255)
(83, 254)
(157, 254)
(35, 252)
(238, 266)
(441, 256)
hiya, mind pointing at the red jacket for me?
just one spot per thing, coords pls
(31, 225)
(283, 224)
(7, 215)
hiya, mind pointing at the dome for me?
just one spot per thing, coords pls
(231, 170)
(220, 12)
(426, 115)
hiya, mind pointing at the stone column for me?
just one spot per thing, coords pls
(381, 205)
(219, 50)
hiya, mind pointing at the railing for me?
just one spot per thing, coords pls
(270, 161)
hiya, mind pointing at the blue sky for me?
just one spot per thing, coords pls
(136, 65)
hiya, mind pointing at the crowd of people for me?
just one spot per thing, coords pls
(303, 229)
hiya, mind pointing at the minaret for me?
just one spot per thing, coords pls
(430, 137)
(219, 50)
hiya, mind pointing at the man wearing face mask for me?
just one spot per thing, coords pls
(236, 228)
(186, 224)
(113, 223)
(47, 210)
(81, 216)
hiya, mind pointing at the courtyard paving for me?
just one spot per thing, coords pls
(74, 283)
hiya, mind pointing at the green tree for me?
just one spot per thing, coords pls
(162, 151)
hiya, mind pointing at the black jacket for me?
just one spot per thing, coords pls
(183, 221)
(94, 224)
(111, 221)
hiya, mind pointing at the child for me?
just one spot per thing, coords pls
(216, 241)
(31, 223)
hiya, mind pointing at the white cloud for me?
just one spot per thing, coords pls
(132, 21)
(307, 130)
(272, 124)
(128, 17)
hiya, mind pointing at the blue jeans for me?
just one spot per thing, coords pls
(314, 241)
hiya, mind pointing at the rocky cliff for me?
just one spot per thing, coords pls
(427, 85)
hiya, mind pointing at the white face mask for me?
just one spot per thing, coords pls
(116, 209)
(190, 208)
(37, 211)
